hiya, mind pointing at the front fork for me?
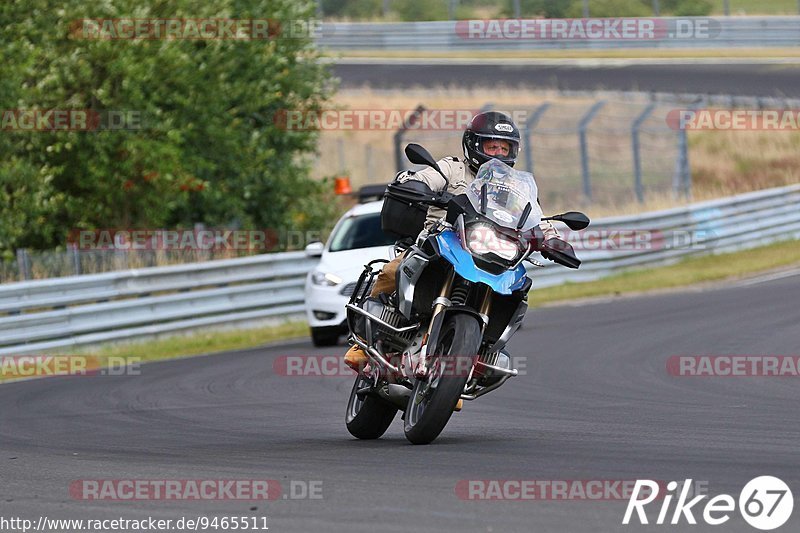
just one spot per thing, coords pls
(441, 304)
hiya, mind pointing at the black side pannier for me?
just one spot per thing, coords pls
(403, 214)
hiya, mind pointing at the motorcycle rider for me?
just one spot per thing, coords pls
(488, 135)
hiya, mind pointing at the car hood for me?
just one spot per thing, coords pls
(349, 264)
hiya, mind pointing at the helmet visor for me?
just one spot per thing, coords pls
(494, 149)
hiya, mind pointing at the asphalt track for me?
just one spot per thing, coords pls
(596, 403)
(756, 79)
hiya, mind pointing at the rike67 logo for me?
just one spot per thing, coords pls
(765, 503)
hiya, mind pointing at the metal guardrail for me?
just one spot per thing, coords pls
(80, 310)
(678, 32)
(716, 226)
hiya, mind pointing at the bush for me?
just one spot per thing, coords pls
(610, 8)
(209, 150)
(412, 10)
(538, 8)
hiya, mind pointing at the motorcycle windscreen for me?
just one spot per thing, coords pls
(451, 249)
(508, 192)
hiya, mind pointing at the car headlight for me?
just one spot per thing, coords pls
(483, 239)
(325, 278)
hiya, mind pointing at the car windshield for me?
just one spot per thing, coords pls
(508, 191)
(361, 231)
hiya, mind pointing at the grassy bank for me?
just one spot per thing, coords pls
(172, 347)
(688, 272)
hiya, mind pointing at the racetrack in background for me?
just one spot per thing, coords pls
(756, 79)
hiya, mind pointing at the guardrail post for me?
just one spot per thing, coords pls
(583, 125)
(637, 161)
(398, 138)
(530, 125)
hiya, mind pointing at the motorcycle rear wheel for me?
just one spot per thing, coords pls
(432, 401)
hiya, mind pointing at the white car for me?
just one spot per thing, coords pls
(356, 240)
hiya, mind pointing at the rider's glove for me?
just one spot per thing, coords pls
(554, 243)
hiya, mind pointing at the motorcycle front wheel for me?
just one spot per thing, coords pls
(368, 418)
(432, 401)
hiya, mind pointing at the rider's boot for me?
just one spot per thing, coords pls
(356, 358)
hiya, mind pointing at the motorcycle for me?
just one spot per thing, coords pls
(461, 295)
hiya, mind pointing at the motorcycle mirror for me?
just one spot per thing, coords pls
(574, 220)
(420, 156)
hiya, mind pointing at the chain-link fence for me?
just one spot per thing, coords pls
(30, 264)
(601, 151)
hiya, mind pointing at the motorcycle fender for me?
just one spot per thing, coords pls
(439, 319)
(512, 327)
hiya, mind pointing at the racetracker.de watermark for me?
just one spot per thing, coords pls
(555, 489)
(592, 29)
(333, 366)
(382, 119)
(632, 240)
(734, 119)
(69, 120)
(194, 489)
(194, 29)
(207, 239)
(26, 366)
(734, 365)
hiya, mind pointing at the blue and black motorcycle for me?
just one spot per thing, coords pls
(461, 293)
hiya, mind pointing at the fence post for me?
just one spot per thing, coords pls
(340, 149)
(637, 161)
(530, 125)
(76, 258)
(686, 173)
(368, 162)
(451, 9)
(682, 178)
(398, 138)
(584, 123)
(24, 264)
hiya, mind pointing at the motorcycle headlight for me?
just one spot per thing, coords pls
(325, 278)
(483, 239)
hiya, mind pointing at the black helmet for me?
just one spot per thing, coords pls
(485, 126)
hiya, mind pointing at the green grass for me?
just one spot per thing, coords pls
(689, 271)
(756, 7)
(175, 346)
(202, 342)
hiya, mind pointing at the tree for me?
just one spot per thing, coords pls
(207, 149)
